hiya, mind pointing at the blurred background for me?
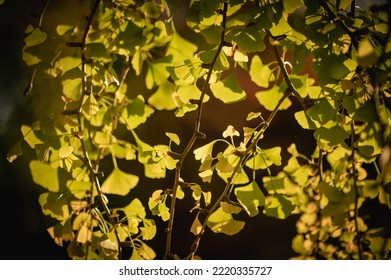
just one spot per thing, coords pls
(23, 226)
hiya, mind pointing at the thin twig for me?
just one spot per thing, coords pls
(196, 134)
(92, 170)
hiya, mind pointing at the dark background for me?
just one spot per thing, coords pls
(23, 226)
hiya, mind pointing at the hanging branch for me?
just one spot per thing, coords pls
(94, 173)
(196, 134)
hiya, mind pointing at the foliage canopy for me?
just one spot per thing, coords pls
(102, 68)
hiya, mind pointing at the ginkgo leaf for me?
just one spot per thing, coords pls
(136, 113)
(180, 48)
(222, 222)
(173, 137)
(157, 205)
(250, 197)
(148, 231)
(260, 73)
(72, 88)
(35, 38)
(279, 207)
(157, 73)
(65, 150)
(253, 115)
(119, 182)
(230, 208)
(228, 90)
(249, 39)
(271, 97)
(45, 175)
(162, 99)
(230, 132)
(196, 226)
(135, 208)
(202, 152)
(54, 205)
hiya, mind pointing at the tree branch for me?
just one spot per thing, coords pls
(94, 174)
(196, 134)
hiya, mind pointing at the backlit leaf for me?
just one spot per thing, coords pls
(222, 222)
(304, 121)
(119, 182)
(162, 99)
(35, 38)
(249, 39)
(65, 150)
(157, 73)
(230, 208)
(148, 231)
(259, 73)
(157, 205)
(250, 197)
(136, 113)
(135, 209)
(270, 98)
(45, 176)
(230, 132)
(173, 137)
(196, 226)
(279, 207)
(72, 88)
(265, 158)
(228, 90)
(328, 137)
(54, 205)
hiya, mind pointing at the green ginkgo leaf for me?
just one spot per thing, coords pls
(222, 222)
(157, 73)
(173, 137)
(228, 90)
(45, 175)
(72, 88)
(162, 99)
(279, 207)
(260, 73)
(54, 205)
(35, 38)
(196, 226)
(135, 209)
(230, 132)
(271, 97)
(250, 197)
(148, 231)
(65, 150)
(119, 182)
